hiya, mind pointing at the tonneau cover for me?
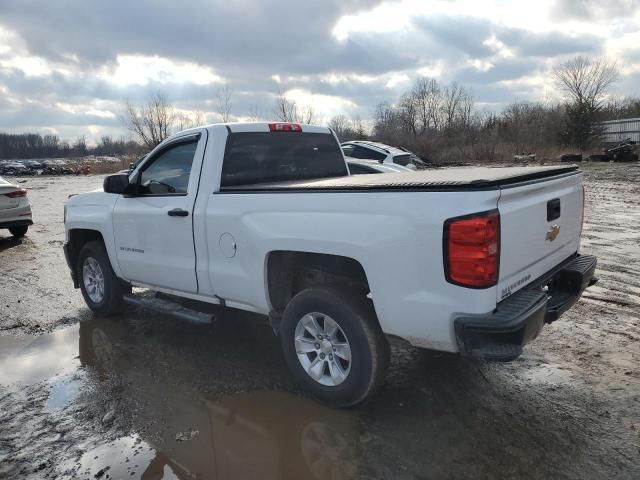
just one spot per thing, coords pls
(456, 178)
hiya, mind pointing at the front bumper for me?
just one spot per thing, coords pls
(517, 320)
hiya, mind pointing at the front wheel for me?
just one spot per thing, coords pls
(333, 345)
(101, 289)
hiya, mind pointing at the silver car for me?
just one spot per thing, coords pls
(361, 167)
(15, 210)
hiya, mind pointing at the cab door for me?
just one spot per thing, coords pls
(153, 226)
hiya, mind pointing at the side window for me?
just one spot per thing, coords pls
(348, 150)
(359, 152)
(168, 173)
(356, 169)
(368, 154)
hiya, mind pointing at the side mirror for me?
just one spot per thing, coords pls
(117, 183)
(132, 165)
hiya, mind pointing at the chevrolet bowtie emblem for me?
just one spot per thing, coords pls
(553, 232)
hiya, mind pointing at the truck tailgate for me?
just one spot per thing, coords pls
(540, 227)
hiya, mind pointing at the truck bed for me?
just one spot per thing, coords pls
(446, 179)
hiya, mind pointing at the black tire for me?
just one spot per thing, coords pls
(19, 232)
(114, 289)
(354, 314)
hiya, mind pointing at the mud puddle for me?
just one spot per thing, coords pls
(154, 423)
(30, 359)
(151, 397)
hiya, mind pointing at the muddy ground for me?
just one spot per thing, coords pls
(147, 396)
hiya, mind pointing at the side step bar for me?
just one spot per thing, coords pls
(168, 307)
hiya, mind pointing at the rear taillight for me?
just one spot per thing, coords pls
(472, 249)
(285, 127)
(21, 192)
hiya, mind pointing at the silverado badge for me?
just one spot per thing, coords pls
(553, 232)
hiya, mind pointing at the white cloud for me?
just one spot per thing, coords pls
(397, 79)
(500, 48)
(142, 70)
(480, 65)
(325, 106)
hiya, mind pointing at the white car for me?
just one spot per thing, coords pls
(265, 217)
(365, 150)
(15, 210)
(363, 167)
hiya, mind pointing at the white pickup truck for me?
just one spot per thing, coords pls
(265, 217)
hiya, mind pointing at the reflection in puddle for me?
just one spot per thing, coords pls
(256, 435)
(31, 359)
(126, 457)
(263, 435)
(63, 391)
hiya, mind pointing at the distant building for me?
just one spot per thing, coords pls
(614, 131)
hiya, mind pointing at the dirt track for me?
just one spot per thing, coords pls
(144, 396)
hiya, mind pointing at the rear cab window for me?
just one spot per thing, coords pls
(263, 157)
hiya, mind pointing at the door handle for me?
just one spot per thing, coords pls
(178, 212)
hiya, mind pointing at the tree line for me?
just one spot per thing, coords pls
(442, 122)
(438, 121)
(35, 145)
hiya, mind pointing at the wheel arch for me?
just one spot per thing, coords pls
(288, 272)
(77, 238)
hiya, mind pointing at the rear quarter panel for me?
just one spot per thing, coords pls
(396, 237)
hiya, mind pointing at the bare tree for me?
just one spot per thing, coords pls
(359, 130)
(183, 120)
(452, 98)
(156, 119)
(254, 113)
(152, 121)
(223, 102)
(586, 81)
(308, 115)
(340, 125)
(347, 129)
(287, 110)
(427, 97)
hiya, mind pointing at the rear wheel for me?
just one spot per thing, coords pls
(19, 232)
(101, 289)
(333, 345)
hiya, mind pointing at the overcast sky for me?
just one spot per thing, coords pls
(66, 66)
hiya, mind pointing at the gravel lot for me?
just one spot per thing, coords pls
(147, 396)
